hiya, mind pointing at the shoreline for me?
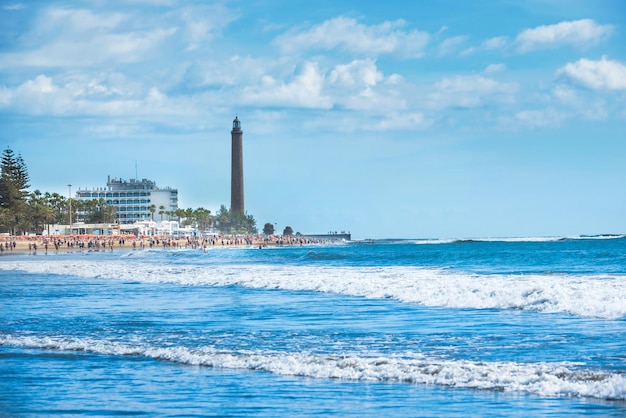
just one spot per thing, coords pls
(35, 245)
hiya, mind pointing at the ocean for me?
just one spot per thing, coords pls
(487, 327)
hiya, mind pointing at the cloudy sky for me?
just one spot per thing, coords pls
(403, 119)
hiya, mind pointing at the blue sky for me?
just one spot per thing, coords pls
(388, 119)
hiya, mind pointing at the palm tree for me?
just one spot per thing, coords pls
(41, 212)
(152, 210)
(189, 216)
(203, 218)
(58, 204)
(161, 211)
(180, 214)
(109, 213)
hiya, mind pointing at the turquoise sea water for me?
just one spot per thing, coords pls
(514, 327)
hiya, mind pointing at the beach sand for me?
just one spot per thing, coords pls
(63, 243)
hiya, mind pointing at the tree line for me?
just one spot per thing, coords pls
(268, 229)
(23, 212)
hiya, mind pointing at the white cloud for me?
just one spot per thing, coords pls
(595, 111)
(602, 74)
(359, 85)
(565, 95)
(471, 91)
(202, 23)
(563, 103)
(579, 103)
(487, 45)
(39, 96)
(539, 118)
(450, 45)
(494, 43)
(348, 34)
(495, 68)
(79, 21)
(560, 112)
(305, 90)
(84, 95)
(400, 121)
(237, 70)
(579, 33)
(359, 72)
(79, 38)
(6, 95)
(75, 37)
(383, 121)
(14, 6)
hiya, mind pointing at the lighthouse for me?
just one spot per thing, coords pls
(236, 179)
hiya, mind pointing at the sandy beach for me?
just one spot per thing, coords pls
(58, 243)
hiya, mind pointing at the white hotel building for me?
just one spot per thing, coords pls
(132, 199)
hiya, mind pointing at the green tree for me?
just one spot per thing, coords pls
(268, 229)
(161, 211)
(235, 223)
(288, 231)
(223, 219)
(6, 218)
(189, 216)
(13, 191)
(152, 209)
(202, 218)
(95, 210)
(180, 214)
(109, 213)
(41, 212)
(58, 203)
(81, 210)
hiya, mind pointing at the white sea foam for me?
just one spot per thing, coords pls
(587, 296)
(517, 239)
(542, 379)
(434, 241)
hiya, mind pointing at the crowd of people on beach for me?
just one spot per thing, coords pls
(58, 243)
(8, 245)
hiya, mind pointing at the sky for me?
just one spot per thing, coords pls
(394, 119)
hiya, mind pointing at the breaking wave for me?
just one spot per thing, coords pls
(594, 296)
(516, 239)
(542, 379)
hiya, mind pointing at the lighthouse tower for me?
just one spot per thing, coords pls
(236, 182)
